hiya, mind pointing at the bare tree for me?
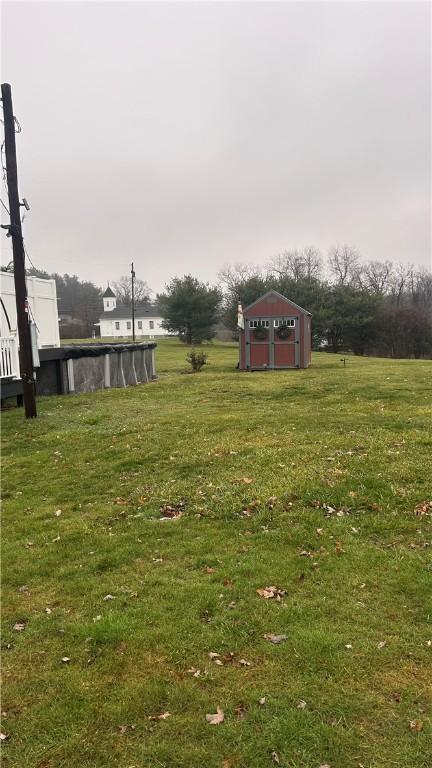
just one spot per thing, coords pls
(344, 264)
(313, 263)
(399, 282)
(297, 265)
(123, 290)
(238, 273)
(377, 276)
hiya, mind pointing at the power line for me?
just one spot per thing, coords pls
(28, 257)
(5, 207)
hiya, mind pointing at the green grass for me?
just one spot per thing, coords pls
(358, 439)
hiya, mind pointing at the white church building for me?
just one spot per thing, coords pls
(116, 322)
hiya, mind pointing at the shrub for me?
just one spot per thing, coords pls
(196, 359)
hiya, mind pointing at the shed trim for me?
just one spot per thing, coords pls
(280, 296)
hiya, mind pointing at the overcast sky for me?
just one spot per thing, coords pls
(188, 136)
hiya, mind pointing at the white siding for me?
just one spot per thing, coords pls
(118, 328)
(42, 296)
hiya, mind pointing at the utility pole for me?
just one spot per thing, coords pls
(15, 231)
(133, 301)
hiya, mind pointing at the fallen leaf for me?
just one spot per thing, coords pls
(48, 610)
(416, 726)
(246, 480)
(210, 570)
(262, 700)
(3, 736)
(275, 758)
(160, 716)
(228, 582)
(348, 645)
(171, 511)
(109, 597)
(19, 626)
(240, 711)
(244, 663)
(122, 729)
(302, 704)
(217, 718)
(213, 655)
(276, 639)
(65, 659)
(425, 508)
(382, 644)
(269, 593)
(58, 512)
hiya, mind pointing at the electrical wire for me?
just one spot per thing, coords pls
(5, 207)
(28, 257)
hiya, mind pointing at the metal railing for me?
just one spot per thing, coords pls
(9, 360)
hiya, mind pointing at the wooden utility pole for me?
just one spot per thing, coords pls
(15, 231)
(133, 301)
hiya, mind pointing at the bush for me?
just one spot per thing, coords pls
(197, 360)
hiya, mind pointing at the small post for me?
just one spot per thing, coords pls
(133, 301)
(15, 231)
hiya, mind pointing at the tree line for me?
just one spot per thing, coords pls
(368, 308)
(372, 308)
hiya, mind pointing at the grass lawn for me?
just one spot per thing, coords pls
(306, 480)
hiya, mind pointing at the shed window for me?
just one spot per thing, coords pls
(259, 323)
(289, 322)
(140, 324)
(151, 324)
(117, 326)
(128, 325)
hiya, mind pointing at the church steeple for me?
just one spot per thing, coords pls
(109, 299)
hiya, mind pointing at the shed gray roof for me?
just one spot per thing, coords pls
(125, 313)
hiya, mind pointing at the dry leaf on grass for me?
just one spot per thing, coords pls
(416, 726)
(65, 659)
(262, 700)
(246, 480)
(217, 718)
(302, 704)
(269, 593)
(275, 758)
(19, 626)
(210, 570)
(382, 644)
(425, 508)
(276, 639)
(240, 711)
(160, 716)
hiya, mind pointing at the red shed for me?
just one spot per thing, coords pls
(276, 334)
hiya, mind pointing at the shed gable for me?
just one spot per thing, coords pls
(273, 303)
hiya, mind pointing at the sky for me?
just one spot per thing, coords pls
(189, 136)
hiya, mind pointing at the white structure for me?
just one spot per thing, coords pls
(42, 299)
(116, 322)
